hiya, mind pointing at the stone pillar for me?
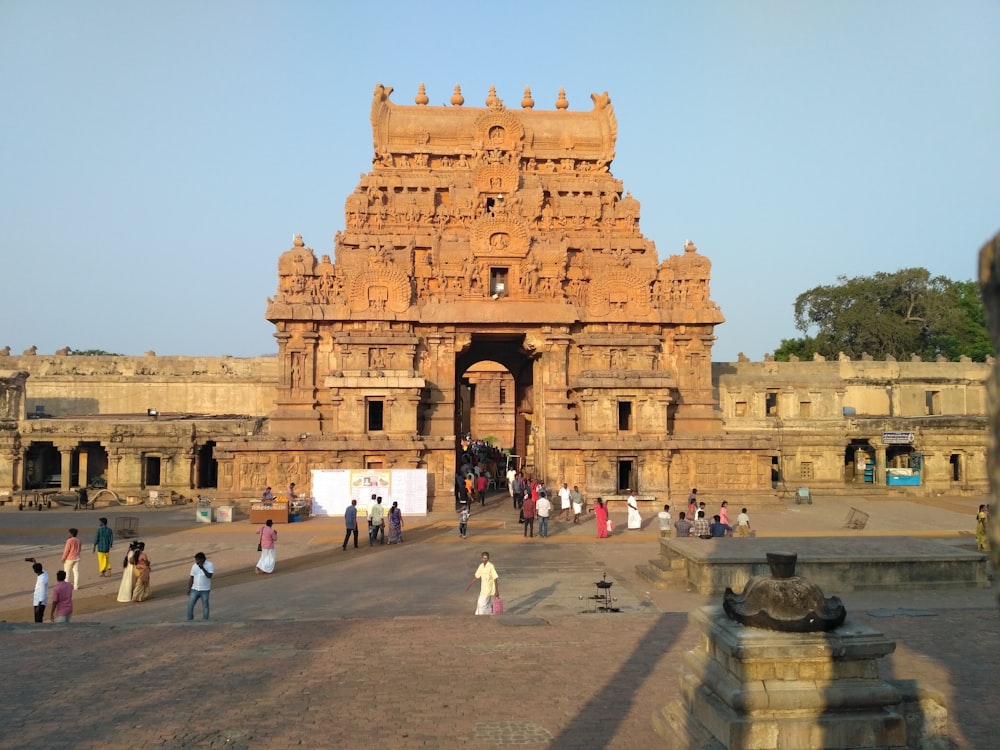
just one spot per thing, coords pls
(83, 457)
(114, 467)
(65, 466)
(879, 466)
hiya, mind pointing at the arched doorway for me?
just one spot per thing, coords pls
(505, 364)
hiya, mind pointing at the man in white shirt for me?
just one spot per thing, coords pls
(543, 508)
(200, 585)
(743, 524)
(564, 502)
(664, 518)
(41, 595)
(511, 475)
(489, 586)
(376, 520)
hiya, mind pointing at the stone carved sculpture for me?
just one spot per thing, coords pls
(784, 602)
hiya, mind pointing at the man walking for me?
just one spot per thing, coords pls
(103, 541)
(376, 517)
(528, 513)
(71, 557)
(200, 585)
(517, 487)
(62, 599)
(489, 585)
(41, 595)
(576, 498)
(564, 502)
(351, 523)
(743, 524)
(511, 475)
(542, 509)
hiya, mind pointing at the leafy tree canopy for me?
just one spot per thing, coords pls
(899, 314)
(92, 353)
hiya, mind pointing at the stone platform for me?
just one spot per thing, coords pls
(756, 689)
(837, 564)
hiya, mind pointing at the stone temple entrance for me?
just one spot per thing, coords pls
(508, 351)
(494, 234)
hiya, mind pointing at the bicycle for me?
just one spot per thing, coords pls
(156, 499)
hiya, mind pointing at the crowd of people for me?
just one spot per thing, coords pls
(135, 586)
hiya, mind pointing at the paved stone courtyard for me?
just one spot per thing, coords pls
(377, 647)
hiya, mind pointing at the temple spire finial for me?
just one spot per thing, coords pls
(457, 100)
(421, 98)
(562, 103)
(527, 102)
(493, 101)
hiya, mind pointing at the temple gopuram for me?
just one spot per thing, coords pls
(500, 235)
(491, 277)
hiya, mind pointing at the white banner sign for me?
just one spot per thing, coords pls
(333, 490)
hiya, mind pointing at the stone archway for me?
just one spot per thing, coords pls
(507, 350)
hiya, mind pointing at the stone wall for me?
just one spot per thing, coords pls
(68, 385)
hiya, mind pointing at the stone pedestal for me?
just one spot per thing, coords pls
(746, 688)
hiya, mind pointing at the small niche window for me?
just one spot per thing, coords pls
(503, 395)
(806, 470)
(624, 416)
(805, 408)
(932, 402)
(376, 414)
(771, 403)
(740, 409)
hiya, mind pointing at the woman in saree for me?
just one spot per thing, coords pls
(268, 552)
(128, 575)
(141, 589)
(601, 513)
(395, 524)
(982, 519)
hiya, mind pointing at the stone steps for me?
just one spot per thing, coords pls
(664, 573)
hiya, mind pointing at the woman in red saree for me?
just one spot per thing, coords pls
(601, 512)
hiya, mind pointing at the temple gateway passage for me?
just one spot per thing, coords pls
(488, 234)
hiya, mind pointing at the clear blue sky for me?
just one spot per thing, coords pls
(156, 157)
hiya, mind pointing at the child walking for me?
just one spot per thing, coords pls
(463, 520)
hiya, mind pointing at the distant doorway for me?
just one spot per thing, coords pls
(627, 474)
(207, 474)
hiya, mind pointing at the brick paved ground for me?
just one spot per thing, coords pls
(377, 647)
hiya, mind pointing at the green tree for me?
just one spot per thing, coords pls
(899, 314)
(92, 353)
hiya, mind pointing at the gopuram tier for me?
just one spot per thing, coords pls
(496, 234)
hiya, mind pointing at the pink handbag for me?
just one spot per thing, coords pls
(497, 605)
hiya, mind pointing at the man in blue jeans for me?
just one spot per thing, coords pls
(200, 584)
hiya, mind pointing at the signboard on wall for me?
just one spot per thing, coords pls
(333, 490)
(898, 438)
